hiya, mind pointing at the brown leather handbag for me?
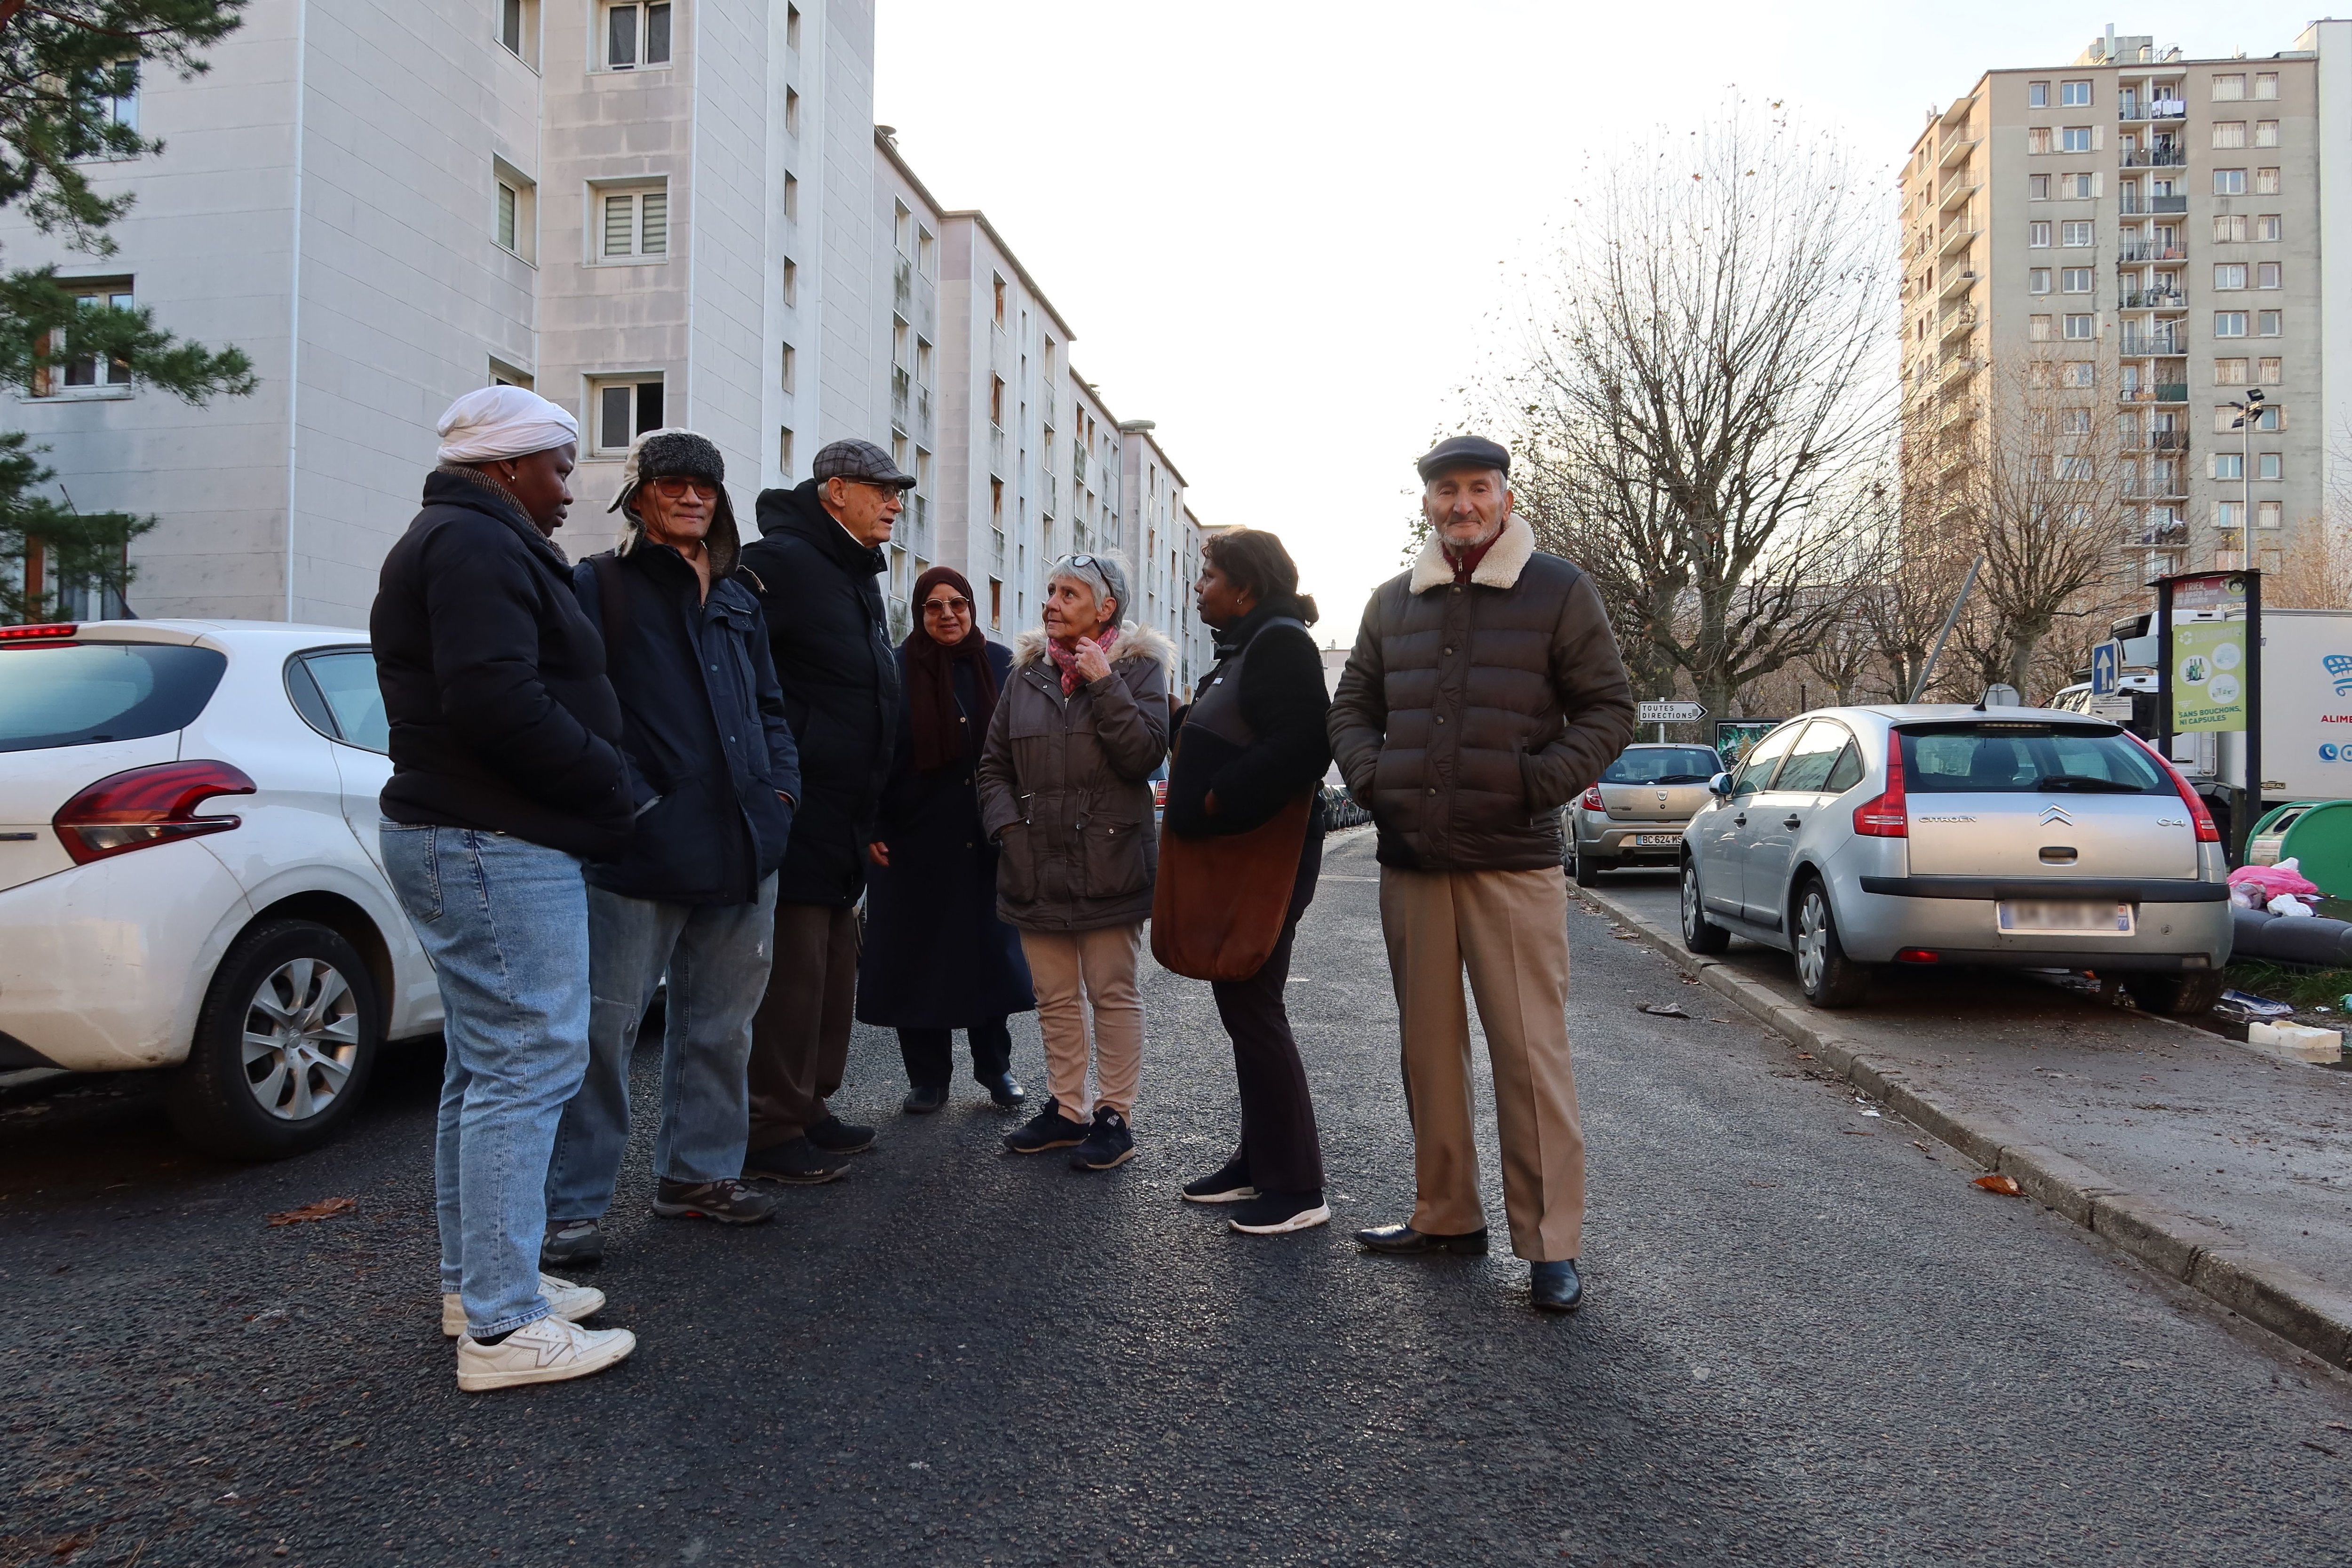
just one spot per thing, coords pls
(1220, 901)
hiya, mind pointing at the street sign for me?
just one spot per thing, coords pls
(1670, 712)
(2106, 668)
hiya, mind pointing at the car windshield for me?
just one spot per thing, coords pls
(79, 694)
(1664, 764)
(1999, 757)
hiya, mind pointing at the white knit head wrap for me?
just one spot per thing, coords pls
(494, 422)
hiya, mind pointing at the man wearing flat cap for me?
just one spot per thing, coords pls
(1484, 693)
(814, 568)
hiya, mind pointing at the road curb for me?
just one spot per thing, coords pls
(2309, 1313)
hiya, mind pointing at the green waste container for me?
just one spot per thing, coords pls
(2316, 835)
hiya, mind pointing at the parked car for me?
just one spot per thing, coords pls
(1853, 837)
(1636, 814)
(188, 871)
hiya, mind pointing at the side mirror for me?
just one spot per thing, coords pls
(1719, 787)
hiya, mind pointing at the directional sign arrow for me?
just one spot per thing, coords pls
(1670, 712)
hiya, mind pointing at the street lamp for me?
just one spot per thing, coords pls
(2249, 412)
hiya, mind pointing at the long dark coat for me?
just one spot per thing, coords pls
(936, 955)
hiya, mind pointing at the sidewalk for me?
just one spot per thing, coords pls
(2253, 1154)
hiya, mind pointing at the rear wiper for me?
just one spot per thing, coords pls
(2088, 783)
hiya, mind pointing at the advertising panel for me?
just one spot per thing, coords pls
(2209, 676)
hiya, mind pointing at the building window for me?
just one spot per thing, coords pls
(2037, 187)
(637, 35)
(2266, 274)
(2229, 228)
(2266, 132)
(2078, 374)
(69, 374)
(505, 374)
(2266, 182)
(2269, 514)
(634, 226)
(2267, 465)
(2081, 187)
(2267, 228)
(2073, 94)
(2267, 370)
(2229, 182)
(2229, 275)
(995, 604)
(2037, 280)
(2229, 323)
(2229, 133)
(996, 400)
(2266, 84)
(2037, 329)
(2076, 422)
(792, 27)
(792, 112)
(2229, 373)
(2075, 236)
(792, 283)
(1000, 299)
(2037, 139)
(514, 218)
(2074, 138)
(2037, 95)
(2080, 327)
(2065, 466)
(787, 368)
(2267, 323)
(2228, 466)
(625, 409)
(2073, 281)
(118, 102)
(784, 450)
(518, 29)
(2229, 514)
(925, 252)
(2037, 234)
(2230, 88)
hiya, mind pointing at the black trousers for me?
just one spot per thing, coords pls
(930, 1054)
(1280, 1149)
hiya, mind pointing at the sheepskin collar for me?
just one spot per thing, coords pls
(1508, 556)
(1134, 642)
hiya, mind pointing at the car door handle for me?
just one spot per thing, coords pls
(1791, 820)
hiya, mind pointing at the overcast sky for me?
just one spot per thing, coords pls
(1284, 229)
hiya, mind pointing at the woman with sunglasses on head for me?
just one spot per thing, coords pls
(936, 958)
(1064, 788)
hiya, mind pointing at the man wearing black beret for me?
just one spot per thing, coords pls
(1485, 693)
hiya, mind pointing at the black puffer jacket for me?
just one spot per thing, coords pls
(1282, 700)
(1468, 714)
(830, 637)
(494, 682)
(705, 724)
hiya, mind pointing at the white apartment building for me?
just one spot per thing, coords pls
(2168, 233)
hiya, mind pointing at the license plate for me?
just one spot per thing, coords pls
(2081, 917)
(1656, 840)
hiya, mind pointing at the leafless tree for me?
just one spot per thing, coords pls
(1694, 401)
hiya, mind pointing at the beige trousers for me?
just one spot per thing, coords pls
(1103, 964)
(1509, 928)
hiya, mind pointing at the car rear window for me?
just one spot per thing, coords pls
(1664, 764)
(79, 694)
(2006, 758)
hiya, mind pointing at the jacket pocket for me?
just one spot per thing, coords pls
(1016, 864)
(1115, 856)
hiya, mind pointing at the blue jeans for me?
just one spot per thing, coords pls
(505, 922)
(717, 956)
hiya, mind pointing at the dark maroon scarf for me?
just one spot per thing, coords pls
(940, 730)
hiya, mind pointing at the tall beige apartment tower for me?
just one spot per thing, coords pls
(2150, 230)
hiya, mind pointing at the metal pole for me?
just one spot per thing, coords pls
(2245, 834)
(1927, 670)
(2164, 666)
(2246, 485)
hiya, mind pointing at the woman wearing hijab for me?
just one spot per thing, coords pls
(936, 958)
(1065, 788)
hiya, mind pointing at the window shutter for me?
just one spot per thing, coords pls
(2098, 137)
(2099, 185)
(506, 216)
(656, 241)
(620, 225)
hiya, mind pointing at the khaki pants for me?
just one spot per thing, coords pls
(1103, 962)
(1510, 930)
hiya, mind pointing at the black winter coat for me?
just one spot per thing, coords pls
(831, 642)
(1283, 700)
(936, 955)
(705, 724)
(494, 682)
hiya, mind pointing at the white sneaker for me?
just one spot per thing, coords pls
(545, 1349)
(568, 1302)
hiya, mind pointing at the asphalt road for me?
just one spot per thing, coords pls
(1809, 1339)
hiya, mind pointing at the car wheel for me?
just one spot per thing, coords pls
(1582, 867)
(1700, 934)
(1829, 977)
(2180, 996)
(283, 1047)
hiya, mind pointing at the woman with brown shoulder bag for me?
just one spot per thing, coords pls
(1242, 844)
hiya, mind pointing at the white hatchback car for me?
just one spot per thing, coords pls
(189, 873)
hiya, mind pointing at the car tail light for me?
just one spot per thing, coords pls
(55, 631)
(146, 805)
(2199, 817)
(1886, 816)
(1592, 800)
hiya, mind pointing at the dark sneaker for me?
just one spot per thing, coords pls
(1007, 1094)
(1229, 1185)
(728, 1200)
(924, 1099)
(1049, 1128)
(571, 1244)
(1277, 1214)
(794, 1160)
(835, 1136)
(1109, 1144)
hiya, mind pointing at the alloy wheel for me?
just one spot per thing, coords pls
(302, 1039)
(1812, 939)
(1691, 910)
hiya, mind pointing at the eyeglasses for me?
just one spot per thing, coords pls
(675, 487)
(946, 606)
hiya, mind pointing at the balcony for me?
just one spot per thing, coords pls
(2157, 441)
(2129, 107)
(1956, 321)
(2162, 392)
(899, 383)
(2155, 158)
(1957, 237)
(1958, 143)
(2151, 300)
(1957, 367)
(2163, 204)
(2142, 345)
(2132, 254)
(1957, 282)
(2162, 534)
(1957, 191)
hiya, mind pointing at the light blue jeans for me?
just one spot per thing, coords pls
(505, 922)
(717, 956)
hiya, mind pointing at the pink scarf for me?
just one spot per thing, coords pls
(1065, 659)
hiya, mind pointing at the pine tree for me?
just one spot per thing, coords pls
(65, 67)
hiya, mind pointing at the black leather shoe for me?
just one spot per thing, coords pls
(1403, 1240)
(1554, 1287)
(924, 1099)
(1007, 1094)
(835, 1136)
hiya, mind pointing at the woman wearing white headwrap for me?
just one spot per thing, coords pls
(507, 775)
